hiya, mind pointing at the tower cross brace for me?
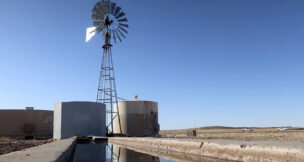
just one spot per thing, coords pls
(107, 93)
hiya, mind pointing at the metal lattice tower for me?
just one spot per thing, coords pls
(107, 93)
(109, 20)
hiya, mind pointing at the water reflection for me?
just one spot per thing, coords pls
(89, 151)
(103, 152)
(126, 155)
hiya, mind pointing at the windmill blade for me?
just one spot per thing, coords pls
(123, 20)
(120, 15)
(98, 9)
(98, 23)
(123, 29)
(121, 33)
(106, 6)
(100, 29)
(117, 11)
(97, 17)
(98, 5)
(118, 35)
(102, 8)
(114, 36)
(95, 10)
(108, 3)
(99, 13)
(91, 31)
(113, 6)
(124, 25)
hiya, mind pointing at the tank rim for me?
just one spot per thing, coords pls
(23, 110)
(137, 101)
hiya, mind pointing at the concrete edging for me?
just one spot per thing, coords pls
(224, 149)
(60, 151)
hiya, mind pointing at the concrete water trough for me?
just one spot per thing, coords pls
(169, 148)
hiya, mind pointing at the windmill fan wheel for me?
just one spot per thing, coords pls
(110, 20)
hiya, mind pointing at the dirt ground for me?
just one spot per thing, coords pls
(236, 133)
(10, 144)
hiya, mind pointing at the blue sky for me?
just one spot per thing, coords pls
(207, 62)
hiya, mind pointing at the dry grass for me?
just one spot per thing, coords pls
(236, 133)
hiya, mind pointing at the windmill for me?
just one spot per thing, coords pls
(110, 21)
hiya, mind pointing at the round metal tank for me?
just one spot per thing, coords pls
(137, 118)
(29, 122)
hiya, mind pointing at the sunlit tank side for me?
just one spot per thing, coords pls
(79, 118)
(137, 118)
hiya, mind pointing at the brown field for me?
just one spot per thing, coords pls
(219, 132)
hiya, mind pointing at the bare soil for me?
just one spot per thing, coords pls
(8, 145)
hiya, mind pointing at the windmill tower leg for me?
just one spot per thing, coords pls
(110, 20)
(107, 93)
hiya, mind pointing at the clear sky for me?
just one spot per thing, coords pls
(207, 62)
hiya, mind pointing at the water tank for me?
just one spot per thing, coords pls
(137, 118)
(26, 122)
(79, 119)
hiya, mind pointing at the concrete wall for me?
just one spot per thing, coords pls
(187, 149)
(58, 151)
(26, 123)
(79, 119)
(137, 118)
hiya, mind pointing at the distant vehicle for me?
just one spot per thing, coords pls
(282, 129)
(247, 129)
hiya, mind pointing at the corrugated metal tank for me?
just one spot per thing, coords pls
(137, 118)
